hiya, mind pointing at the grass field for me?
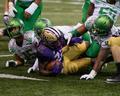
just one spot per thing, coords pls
(60, 12)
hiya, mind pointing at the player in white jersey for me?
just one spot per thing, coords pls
(106, 8)
(102, 29)
(23, 48)
(103, 7)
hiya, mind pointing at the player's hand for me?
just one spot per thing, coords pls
(6, 18)
(30, 70)
(30, 10)
(27, 15)
(91, 75)
(12, 10)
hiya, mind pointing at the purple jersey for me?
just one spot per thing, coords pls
(46, 54)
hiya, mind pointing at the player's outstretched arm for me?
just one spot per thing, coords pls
(32, 8)
(97, 66)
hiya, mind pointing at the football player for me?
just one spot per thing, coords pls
(26, 10)
(23, 48)
(99, 8)
(102, 30)
(70, 63)
(94, 6)
(49, 52)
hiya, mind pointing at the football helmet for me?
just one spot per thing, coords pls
(41, 24)
(15, 27)
(51, 37)
(51, 34)
(102, 25)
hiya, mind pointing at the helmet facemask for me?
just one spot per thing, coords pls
(15, 32)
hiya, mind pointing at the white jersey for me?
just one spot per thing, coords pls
(104, 8)
(28, 49)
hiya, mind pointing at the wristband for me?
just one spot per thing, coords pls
(93, 73)
(31, 9)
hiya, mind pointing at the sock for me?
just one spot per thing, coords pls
(118, 67)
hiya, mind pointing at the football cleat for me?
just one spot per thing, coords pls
(10, 63)
(113, 79)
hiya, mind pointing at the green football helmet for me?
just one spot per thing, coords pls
(41, 24)
(102, 25)
(15, 26)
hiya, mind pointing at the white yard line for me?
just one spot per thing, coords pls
(10, 76)
(8, 55)
(78, 2)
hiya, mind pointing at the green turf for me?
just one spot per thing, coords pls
(62, 85)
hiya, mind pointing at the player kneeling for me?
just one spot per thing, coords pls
(20, 45)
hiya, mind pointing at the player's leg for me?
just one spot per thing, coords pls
(114, 43)
(72, 53)
(14, 63)
(75, 65)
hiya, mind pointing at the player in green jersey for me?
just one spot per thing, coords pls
(26, 10)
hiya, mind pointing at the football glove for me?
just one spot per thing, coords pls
(30, 70)
(34, 67)
(11, 63)
(91, 75)
(68, 37)
(12, 10)
(31, 9)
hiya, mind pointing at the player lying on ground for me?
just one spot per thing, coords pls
(71, 53)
